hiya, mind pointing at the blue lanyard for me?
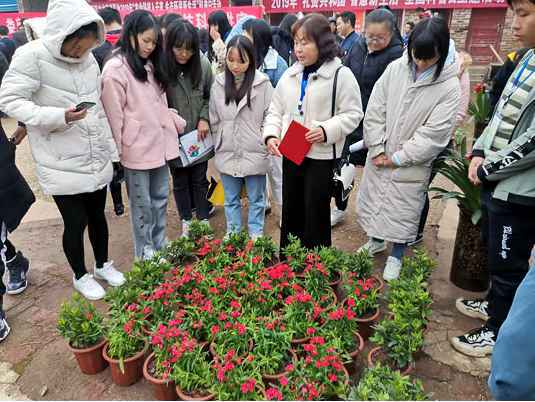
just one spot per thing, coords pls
(304, 83)
(516, 82)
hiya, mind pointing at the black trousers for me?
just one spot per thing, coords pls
(79, 211)
(508, 231)
(7, 253)
(306, 200)
(190, 187)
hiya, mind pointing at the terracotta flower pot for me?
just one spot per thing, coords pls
(367, 322)
(133, 367)
(360, 347)
(274, 377)
(163, 390)
(378, 355)
(379, 283)
(90, 359)
(197, 397)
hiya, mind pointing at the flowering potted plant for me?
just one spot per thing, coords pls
(302, 316)
(362, 300)
(272, 348)
(199, 230)
(179, 251)
(82, 327)
(295, 254)
(480, 110)
(231, 334)
(125, 350)
(193, 375)
(334, 261)
(238, 379)
(266, 248)
(342, 329)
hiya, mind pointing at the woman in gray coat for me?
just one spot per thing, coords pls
(409, 120)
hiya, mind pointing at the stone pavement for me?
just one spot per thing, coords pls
(36, 364)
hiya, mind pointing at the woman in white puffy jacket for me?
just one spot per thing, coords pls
(73, 150)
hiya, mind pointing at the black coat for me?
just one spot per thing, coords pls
(16, 197)
(368, 68)
(283, 43)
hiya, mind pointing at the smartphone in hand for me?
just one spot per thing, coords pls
(84, 106)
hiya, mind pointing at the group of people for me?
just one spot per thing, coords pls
(153, 80)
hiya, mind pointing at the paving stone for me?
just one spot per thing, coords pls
(9, 392)
(7, 375)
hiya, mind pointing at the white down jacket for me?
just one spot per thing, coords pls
(37, 89)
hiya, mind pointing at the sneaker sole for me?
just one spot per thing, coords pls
(90, 298)
(461, 348)
(97, 276)
(469, 313)
(18, 291)
(7, 332)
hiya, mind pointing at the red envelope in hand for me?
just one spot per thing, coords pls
(294, 146)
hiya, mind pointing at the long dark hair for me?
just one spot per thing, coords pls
(220, 19)
(246, 51)
(430, 38)
(262, 38)
(136, 23)
(182, 34)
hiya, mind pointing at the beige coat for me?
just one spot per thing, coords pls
(317, 106)
(412, 120)
(237, 129)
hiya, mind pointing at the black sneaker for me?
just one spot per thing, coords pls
(4, 327)
(477, 343)
(475, 308)
(418, 240)
(18, 270)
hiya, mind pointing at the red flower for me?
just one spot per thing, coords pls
(128, 327)
(223, 317)
(156, 340)
(248, 386)
(351, 302)
(289, 367)
(311, 331)
(241, 329)
(256, 260)
(332, 377)
(284, 381)
(235, 314)
(273, 394)
(235, 304)
(221, 375)
(266, 285)
(147, 310)
(214, 330)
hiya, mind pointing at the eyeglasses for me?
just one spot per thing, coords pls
(376, 38)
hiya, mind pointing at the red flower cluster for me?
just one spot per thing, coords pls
(248, 386)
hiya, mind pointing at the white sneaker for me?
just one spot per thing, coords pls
(89, 287)
(392, 269)
(185, 228)
(337, 216)
(110, 274)
(373, 247)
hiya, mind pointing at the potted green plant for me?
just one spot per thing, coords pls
(272, 348)
(179, 251)
(125, 351)
(381, 383)
(193, 375)
(267, 249)
(302, 316)
(231, 335)
(334, 261)
(480, 110)
(199, 230)
(469, 262)
(341, 329)
(295, 254)
(81, 325)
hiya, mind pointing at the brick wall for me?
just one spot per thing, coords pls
(410, 16)
(460, 22)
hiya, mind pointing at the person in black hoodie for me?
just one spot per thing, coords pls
(112, 22)
(283, 42)
(16, 197)
(368, 59)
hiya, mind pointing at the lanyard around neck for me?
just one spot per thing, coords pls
(304, 84)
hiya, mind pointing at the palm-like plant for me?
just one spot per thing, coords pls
(454, 166)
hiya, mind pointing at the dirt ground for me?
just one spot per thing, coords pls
(47, 370)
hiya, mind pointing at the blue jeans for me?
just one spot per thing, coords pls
(256, 186)
(148, 191)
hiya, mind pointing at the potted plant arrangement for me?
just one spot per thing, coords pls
(82, 327)
(238, 379)
(266, 248)
(303, 316)
(295, 254)
(180, 251)
(469, 262)
(193, 375)
(381, 383)
(231, 334)
(125, 351)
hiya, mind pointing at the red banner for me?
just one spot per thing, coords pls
(154, 5)
(293, 6)
(197, 16)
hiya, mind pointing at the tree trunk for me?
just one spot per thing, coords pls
(469, 265)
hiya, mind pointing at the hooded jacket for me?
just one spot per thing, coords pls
(410, 121)
(237, 129)
(41, 84)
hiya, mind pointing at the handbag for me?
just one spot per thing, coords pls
(344, 172)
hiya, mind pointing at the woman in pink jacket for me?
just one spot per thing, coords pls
(143, 126)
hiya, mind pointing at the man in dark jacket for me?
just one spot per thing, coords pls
(112, 23)
(368, 59)
(345, 26)
(16, 197)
